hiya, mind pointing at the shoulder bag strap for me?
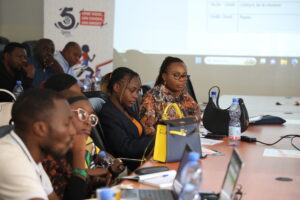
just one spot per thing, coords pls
(218, 94)
(176, 107)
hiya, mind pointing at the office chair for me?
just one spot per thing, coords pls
(189, 88)
(97, 94)
(4, 40)
(97, 133)
(29, 46)
(4, 130)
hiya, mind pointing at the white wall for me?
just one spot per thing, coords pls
(22, 20)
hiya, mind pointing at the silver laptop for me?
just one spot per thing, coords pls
(159, 194)
(227, 191)
(231, 177)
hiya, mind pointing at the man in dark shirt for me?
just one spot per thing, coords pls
(13, 68)
(44, 62)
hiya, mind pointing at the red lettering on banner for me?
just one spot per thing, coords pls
(92, 18)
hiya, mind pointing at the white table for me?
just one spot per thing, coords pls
(266, 105)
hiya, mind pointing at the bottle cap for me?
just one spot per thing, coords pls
(102, 154)
(19, 82)
(99, 69)
(193, 156)
(87, 76)
(235, 100)
(213, 93)
(106, 194)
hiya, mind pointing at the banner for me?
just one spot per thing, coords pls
(88, 23)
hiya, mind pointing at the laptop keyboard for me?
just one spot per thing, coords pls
(156, 194)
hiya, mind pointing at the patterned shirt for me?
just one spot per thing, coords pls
(60, 170)
(155, 101)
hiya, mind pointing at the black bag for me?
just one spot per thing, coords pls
(216, 120)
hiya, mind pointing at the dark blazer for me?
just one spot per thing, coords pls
(121, 134)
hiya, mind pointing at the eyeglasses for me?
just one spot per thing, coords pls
(84, 116)
(178, 76)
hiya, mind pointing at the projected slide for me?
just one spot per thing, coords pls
(219, 31)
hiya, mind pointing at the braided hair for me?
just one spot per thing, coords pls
(164, 67)
(119, 74)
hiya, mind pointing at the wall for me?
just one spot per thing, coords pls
(22, 20)
(242, 80)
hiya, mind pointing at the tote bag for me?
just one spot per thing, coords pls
(173, 135)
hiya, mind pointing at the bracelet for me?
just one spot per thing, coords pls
(81, 172)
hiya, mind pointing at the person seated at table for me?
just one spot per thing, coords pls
(42, 125)
(123, 131)
(68, 58)
(44, 62)
(60, 82)
(169, 88)
(13, 68)
(82, 160)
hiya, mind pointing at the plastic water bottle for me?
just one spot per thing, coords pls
(87, 84)
(18, 89)
(98, 78)
(234, 130)
(214, 97)
(191, 178)
(105, 161)
(105, 194)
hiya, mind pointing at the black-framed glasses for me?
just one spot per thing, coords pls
(178, 76)
(83, 115)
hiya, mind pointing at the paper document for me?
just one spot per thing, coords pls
(282, 153)
(160, 179)
(206, 141)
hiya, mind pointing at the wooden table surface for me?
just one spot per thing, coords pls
(259, 173)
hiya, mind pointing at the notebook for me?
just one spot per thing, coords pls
(231, 177)
(139, 194)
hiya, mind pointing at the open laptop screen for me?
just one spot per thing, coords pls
(177, 186)
(231, 176)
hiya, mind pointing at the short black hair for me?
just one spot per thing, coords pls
(118, 74)
(71, 44)
(59, 82)
(33, 105)
(41, 43)
(10, 47)
(164, 68)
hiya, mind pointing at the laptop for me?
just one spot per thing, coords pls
(158, 194)
(231, 177)
(227, 191)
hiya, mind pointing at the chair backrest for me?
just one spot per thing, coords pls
(5, 108)
(190, 89)
(29, 46)
(4, 130)
(97, 133)
(4, 40)
(97, 94)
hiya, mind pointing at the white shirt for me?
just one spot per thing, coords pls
(20, 176)
(65, 66)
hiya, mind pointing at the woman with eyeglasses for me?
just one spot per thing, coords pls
(169, 88)
(123, 131)
(75, 176)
